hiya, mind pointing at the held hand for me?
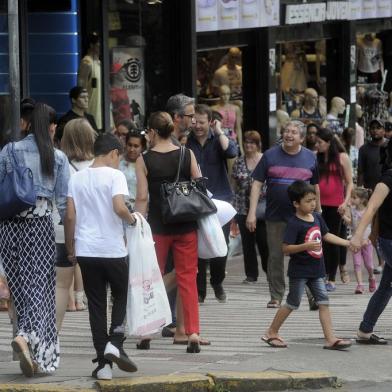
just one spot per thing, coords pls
(342, 208)
(355, 243)
(132, 222)
(72, 258)
(313, 245)
(251, 222)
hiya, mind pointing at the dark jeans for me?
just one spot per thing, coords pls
(331, 252)
(383, 294)
(249, 242)
(97, 273)
(217, 268)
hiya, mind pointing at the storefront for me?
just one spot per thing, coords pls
(268, 52)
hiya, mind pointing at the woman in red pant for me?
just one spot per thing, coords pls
(157, 165)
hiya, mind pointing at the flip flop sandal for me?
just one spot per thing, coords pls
(270, 342)
(373, 340)
(274, 304)
(338, 345)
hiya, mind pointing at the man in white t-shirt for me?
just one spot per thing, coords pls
(94, 237)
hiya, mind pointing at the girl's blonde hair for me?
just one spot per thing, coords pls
(362, 193)
(78, 140)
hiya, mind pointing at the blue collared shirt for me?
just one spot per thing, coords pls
(212, 161)
(26, 152)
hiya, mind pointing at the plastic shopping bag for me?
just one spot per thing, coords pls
(148, 309)
(211, 240)
(225, 211)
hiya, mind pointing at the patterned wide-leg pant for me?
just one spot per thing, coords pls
(27, 248)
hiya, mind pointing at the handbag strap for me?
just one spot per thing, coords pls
(182, 153)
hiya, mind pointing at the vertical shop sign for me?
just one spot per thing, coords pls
(228, 14)
(384, 8)
(369, 9)
(355, 9)
(127, 91)
(250, 13)
(206, 15)
(269, 15)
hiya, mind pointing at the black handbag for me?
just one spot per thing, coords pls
(185, 201)
(17, 189)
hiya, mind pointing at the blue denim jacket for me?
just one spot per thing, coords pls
(26, 152)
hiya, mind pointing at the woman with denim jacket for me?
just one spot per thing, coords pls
(28, 246)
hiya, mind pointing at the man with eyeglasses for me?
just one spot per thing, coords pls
(279, 167)
(212, 148)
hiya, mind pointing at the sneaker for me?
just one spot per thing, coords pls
(372, 285)
(249, 280)
(119, 357)
(220, 294)
(103, 371)
(360, 289)
(330, 287)
(377, 270)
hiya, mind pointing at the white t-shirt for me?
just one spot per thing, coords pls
(99, 230)
(59, 228)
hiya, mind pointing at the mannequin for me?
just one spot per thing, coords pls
(310, 109)
(229, 74)
(370, 63)
(231, 115)
(89, 77)
(282, 118)
(338, 106)
(294, 70)
(359, 132)
(321, 66)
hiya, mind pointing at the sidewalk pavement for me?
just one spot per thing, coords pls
(234, 329)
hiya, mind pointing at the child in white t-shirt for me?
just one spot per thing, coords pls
(94, 237)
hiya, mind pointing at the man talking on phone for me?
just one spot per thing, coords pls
(212, 148)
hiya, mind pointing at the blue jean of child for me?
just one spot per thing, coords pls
(383, 294)
(297, 288)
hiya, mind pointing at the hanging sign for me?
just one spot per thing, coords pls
(384, 8)
(338, 10)
(305, 13)
(269, 15)
(206, 15)
(250, 13)
(369, 9)
(228, 14)
(355, 9)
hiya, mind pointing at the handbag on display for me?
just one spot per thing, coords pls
(17, 188)
(185, 201)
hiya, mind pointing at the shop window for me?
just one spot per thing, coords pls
(219, 84)
(137, 53)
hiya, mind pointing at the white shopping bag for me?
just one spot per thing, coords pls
(210, 237)
(225, 211)
(148, 309)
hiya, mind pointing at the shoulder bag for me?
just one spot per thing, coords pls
(185, 201)
(17, 188)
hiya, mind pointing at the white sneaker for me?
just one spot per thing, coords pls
(119, 357)
(105, 373)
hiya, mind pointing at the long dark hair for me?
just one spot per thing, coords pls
(347, 137)
(43, 115)
(333, 156)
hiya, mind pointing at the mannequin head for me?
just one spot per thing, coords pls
(224, 93)
(94, 45)
(79, 99)
(233, 57)
(310, 98)
(282, 118)
(358, 111)
(338, 106)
